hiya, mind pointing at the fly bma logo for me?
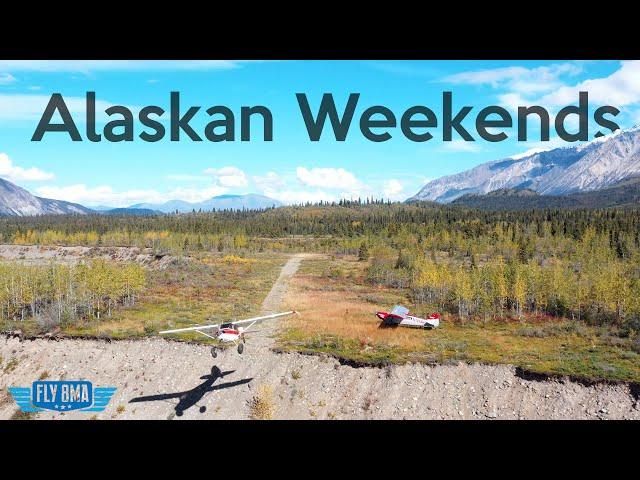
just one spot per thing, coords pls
(62, 396)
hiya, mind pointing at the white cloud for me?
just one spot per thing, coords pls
(84, 66)
(228, 176)
(102, 194)
(546, 86)
(306, 185)
(512, 101)
(106, 195)
(518, 79)
(301, 196)
(493, 77)
(393, 188)
(323, 184)
(327, 178)
(619, 89)
(6, 78)
(287, 189)
(296, 196)
(270, 181)
(15, 173)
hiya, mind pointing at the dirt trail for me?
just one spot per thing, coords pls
(262, 335)
(162, 379)
(274, 298)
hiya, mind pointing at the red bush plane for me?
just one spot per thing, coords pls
(399, 315)
(228, 332)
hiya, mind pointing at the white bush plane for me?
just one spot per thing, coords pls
(399, 315)
(228, 332)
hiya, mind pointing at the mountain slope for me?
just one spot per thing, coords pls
(623, 194)
(588, 166)
(142, 212)
(15, 200)
(222, 202)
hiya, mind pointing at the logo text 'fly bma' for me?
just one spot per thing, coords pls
(62, 396)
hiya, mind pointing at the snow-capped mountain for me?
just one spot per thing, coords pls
(584, 167)
(16, 201)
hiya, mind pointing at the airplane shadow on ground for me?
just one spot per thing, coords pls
(189, 398)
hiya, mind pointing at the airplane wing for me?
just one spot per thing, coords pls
(265, 317)
(200, 328)
(197, 328)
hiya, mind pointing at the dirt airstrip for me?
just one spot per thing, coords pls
(163, 379)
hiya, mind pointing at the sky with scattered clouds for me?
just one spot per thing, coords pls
(291, 168)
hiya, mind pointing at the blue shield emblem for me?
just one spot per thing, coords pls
(62, 395)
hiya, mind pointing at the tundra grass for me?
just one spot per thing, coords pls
(211, 290)
(208, 288)
(337, 318)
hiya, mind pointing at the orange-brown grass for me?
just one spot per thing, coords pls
(337, 317)
(325, 307)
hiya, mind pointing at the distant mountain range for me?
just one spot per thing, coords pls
(623, 194)
(589, 166)
(16, 201)
(143, 212)
(250, 201)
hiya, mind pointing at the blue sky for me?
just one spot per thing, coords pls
(291, 168)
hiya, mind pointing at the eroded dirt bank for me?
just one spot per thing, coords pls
(151, 374)
(44, 254)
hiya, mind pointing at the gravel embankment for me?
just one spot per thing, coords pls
(304, 387)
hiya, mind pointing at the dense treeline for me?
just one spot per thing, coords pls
(593, 284)
(274, 228)
(57, 294)
(578, 263)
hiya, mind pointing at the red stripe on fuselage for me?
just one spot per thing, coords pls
(230, 331)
